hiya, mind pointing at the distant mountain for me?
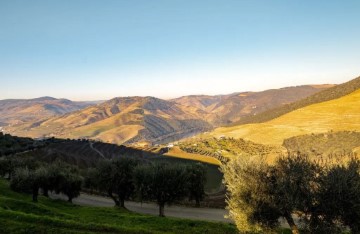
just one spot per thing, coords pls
(17, 111)
(122, 120)
(335, 109)
(227, 109)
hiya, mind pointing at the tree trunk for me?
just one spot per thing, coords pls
(46, 192)
(117, 203)
(197, 202)
(290, 221)
(70, 199)
(161, 210)
(35, 194)
(122, 203)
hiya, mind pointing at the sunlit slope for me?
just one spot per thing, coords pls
(338, 114)
(122, 120)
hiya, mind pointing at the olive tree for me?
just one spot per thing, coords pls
(163, 183)
(196, 182)
(24, 180)
(339, 197)
(115, 177)
(260, 194)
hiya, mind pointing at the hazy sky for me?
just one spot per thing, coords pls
(87, 50)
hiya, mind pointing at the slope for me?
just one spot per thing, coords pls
(15, 111)
(338, 115)
(325, 95)
(121, 120)
(227, 109)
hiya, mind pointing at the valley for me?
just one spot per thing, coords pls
(143, 120)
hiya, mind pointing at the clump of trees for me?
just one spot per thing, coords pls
(8, 165)
(115, 178)
(324, 198)
(162, 183)
(29, 176)
(120, 179)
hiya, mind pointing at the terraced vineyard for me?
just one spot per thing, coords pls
(224, 148)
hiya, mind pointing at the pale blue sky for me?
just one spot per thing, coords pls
(87, 50)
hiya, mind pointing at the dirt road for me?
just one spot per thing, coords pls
(149, 208)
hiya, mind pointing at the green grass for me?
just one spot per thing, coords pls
(18, 214)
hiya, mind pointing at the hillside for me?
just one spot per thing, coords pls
(225, 148)
(323, 96)
(121, 120)
(19, 215)
(12, 144)
(226, 109)
(15, 111)
(324, 144)
(338, 115)
(148, 120)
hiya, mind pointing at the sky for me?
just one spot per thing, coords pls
(97, 50)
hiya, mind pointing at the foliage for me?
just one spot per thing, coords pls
(339, 194)
(9, 164)
(161, 182)
(243, 178)
(326, 198)
(329, 144)
(196, 182)
(115, 177)
(12, 144)
(58, 177)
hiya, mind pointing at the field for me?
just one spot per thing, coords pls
(337, 115)
(19, 215)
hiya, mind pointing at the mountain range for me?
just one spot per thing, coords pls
(16, 111)
(141, 120)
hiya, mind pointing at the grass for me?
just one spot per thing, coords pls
(338, 115)
(19, 215)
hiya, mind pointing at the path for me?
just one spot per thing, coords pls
(208, 214)
(96, 150)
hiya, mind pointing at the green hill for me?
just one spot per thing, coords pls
(19, 215)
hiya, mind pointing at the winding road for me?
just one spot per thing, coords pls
(96, 150)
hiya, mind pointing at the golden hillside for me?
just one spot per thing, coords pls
(121, 120)
(337, 115)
